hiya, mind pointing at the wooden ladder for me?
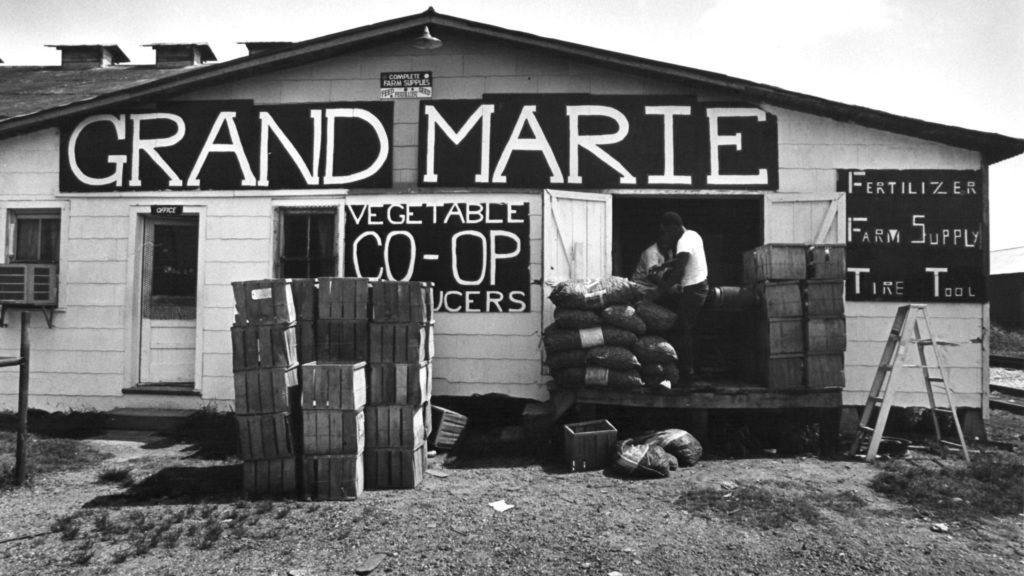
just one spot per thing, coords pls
(883, 391)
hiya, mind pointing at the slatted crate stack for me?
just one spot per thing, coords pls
(799, 330)
(400, 372)
(343, 322)
(333, 429)
(265, 361)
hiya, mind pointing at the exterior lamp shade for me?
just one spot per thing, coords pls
(426, 41)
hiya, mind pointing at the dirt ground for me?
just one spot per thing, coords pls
(184, 514)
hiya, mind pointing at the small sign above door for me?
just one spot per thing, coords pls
(166, 210)
(398, 85)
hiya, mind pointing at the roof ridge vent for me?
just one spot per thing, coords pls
(258, 47)
(82, 56)
(177, 55)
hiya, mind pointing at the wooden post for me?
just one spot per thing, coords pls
(20, 457)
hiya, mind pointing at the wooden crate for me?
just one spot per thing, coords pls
(304, 294)
(428, 420)
(401, 301)
(782, 371)
(826, 335)
(779, 299)
(333, 432)
(775, 262)
(824, 297)
(825, 371)
(263, 302)
(394, 426)
(263, 346)
(827, 262)
(448, 426)
(343, 298)
(395, 467)
(332, 477)
(589, 445)
(333, 385)
(393, 383)
(342, 340)
(779, 335)
(264, 390)
(400, 342)
(305, 340)
(274, 477)
(265, 436)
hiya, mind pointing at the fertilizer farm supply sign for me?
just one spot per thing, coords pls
(477, 254)
(915, 235)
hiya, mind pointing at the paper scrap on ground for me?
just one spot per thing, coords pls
(501, 505)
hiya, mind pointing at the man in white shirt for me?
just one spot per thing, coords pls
(687, 276)
(651, 266)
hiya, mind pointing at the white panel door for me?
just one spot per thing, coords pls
(805, 218)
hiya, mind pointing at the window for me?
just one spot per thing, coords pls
(307, 243)
(35, 236)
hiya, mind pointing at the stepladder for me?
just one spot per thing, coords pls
(911, 330)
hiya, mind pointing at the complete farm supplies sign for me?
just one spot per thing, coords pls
(477, 254)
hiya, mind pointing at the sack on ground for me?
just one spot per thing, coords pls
(666, 375)
(678, 443)
(574, 319)
(654, 350)
(624, 316)
(657, 318)
(566, 359)
(558, 339)
(614, 357)
(644, 290)
(598, 376)
(641, 460)
(592, 294)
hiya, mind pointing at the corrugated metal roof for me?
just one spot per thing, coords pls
(83, 95)
(1008, 261)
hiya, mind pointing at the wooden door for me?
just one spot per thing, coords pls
(805, 218)
(167, 347)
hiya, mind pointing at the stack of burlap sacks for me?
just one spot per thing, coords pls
(607, 332)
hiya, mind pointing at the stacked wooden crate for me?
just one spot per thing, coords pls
(304, 293)
(400, 372)
(342, 324)
(265, 361)
(799, 328)
(333, 429)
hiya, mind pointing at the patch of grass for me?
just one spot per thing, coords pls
(988, 486)
(117, 475)
(1007, 341)
(769, 505)
(45, 456)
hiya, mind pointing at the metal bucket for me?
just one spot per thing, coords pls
(730, 298)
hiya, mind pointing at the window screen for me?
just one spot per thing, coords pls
(307, 245)
(36, 237)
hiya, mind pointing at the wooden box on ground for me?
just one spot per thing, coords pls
(275, 477)
(342, 340)
(825, 371)
(826, 335)
(393, 383)
(333, 432)
(428, 420)
(332, 477)
(394, 467)
(394, 426)
(265, 436)
(775, 262)
(335, 385)
(448, 426)
(264, 390)
(401, 301)
(827, 261)
(589, 445)
(824, 297)
(343, 298)
(403, 343)
(263, 346)
(263, 302)
(780, 299)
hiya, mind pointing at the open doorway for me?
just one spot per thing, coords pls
(729, 226)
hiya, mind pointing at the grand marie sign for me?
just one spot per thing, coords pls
(499, 141)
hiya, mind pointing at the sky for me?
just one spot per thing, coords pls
(955, 62)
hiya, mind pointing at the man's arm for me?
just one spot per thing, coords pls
(675, 267)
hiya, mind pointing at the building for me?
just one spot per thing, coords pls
(1007, 293)
(493, 165)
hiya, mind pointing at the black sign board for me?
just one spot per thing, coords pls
(166, 210)
(915, 235)
(476, 253)
(229, 145)
(395, 85)
(587, 141)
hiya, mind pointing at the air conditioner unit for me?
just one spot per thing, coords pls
(34, 284)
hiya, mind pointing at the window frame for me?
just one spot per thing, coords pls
(281, 211)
